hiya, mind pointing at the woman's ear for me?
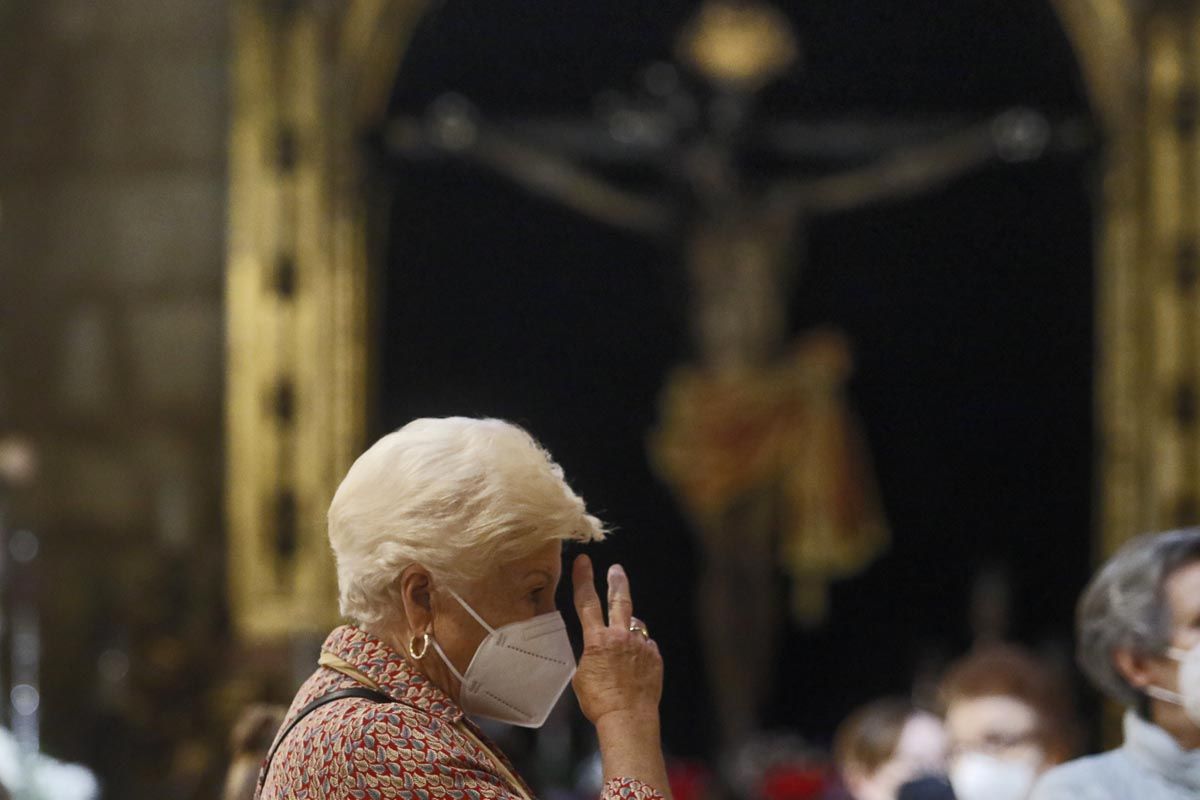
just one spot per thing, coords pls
(415, 587)
(1134, 667)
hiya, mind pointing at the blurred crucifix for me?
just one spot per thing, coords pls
(755, 437)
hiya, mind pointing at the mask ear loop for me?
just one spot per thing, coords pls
(446, 661)
(1166, 695)
(438, 647)
(471, 611)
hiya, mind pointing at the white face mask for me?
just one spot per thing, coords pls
(518, 672)
(979, 776)
(1188, 695)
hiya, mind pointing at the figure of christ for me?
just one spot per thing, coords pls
(755, 437)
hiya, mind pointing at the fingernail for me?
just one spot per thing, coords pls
(615, 570)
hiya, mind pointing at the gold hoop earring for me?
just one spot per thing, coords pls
(412, 651)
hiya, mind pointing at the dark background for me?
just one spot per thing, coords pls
(969, 309)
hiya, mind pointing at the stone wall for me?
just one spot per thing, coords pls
(113, 131)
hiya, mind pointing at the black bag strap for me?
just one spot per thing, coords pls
(341, 694)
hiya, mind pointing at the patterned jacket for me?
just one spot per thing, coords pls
(419, 747)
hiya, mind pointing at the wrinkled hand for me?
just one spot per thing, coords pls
(620, 672)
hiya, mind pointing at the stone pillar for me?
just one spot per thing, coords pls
(112, 218)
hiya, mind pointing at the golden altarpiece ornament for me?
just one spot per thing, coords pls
(311, 77)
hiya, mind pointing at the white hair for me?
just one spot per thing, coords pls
(460, 496)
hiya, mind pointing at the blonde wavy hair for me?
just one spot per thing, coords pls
(459, 496)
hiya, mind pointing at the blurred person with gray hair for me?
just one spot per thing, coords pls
(1139, 642)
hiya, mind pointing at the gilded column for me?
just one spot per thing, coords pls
(309, 78)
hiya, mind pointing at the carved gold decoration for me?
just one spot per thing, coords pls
(742, 45)
(308, 79)
(1142, 71)
(1110, 53)
(1104, 36)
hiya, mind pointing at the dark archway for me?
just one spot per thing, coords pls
(970, 310)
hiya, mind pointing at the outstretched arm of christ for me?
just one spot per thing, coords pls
(542, 172)
(1012, 136)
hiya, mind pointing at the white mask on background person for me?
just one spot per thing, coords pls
(1188, 695)
(979, 776)
(518, 671)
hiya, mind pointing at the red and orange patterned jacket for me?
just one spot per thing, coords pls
(419, 747)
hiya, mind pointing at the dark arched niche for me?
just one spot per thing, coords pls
(970, 309)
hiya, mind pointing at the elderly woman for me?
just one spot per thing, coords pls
(1139, 642)
(448, 538)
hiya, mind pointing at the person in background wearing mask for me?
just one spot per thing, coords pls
(886, 744)
(1139, 642)
(448, 539)
(1009, 719)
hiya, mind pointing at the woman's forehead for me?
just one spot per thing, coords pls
(546, 559)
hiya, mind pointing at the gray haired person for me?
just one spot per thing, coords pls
(1139, 643)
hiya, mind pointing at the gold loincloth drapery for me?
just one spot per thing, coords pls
(785, 430)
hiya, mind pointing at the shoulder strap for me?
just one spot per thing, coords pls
(341, 694)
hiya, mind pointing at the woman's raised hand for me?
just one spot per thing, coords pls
(620, 671)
